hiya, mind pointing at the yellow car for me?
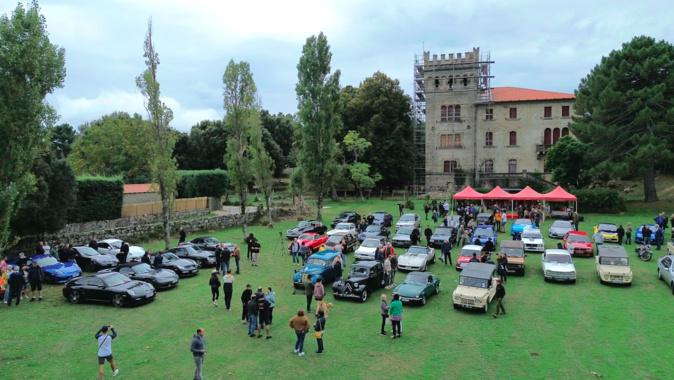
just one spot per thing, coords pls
(609, 232)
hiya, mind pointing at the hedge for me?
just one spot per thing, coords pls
(98, 198)
(202, 183)
(599, 200)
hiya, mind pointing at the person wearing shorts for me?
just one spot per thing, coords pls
(35, 278)
(105, 350)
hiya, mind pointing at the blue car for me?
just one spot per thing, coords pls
(56, 272)
(639, 236)
(518, 226)
(318, 265)
(482, 234)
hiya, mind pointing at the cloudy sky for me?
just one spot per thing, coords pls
(538, 46)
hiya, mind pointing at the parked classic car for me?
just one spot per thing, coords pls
(56, 272)
(112, 247)
(578, 243)
(609, 232)
(206, 243)
(183, 267)
(382, 218)
(108, 287)
(558, 265)
(477, 287)
(373, 231)
(159, 278)
(304, 226)
(418, 287)
(364, 278)
(559, 228)
(517, 227)
(639, 235)
(514, 252)
(482, 234)
(483, 218)
(453, 221)
(408, 220)
(318, 265)
(189, 251)
(402, 237)
(91, 260)
(441, 234)
(347, 240)
(312, 240)
(346, 217)
(368, 247)
(343, 227)
(533, 240)
(666, 270)
(466, 254)
(613, 265)
(417, 258)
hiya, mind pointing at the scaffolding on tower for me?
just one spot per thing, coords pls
(419, 121)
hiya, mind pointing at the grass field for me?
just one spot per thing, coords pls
(552, 331)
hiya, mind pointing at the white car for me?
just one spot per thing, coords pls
(416, 258)
(558, 265)
(367, 248)
(112, 247)
(408, 220)
(349, 228)
(533, 240)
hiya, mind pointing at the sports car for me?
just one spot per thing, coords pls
(159, 278)
(408, 220)
(183, 267)
(343, 227)
(418, 287)
(206, 243)
(609, 232)
(559, 228)
(373, 231)
(54, 271)
(346, 217)
(578, 243)
(91, 260)
(346, 240)
(416, 258)
(441, 234)
(312, 240)
(482, 234)
(368, 247)
(402, 237)
(639, 235)
(189, 251)
(108, 287)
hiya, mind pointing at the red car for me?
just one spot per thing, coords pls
(312, 240)
(466, 254)
(578, 243)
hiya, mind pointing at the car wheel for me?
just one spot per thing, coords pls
(485, 309)
(659, 274)
(117, 300)
(455, 306)
(74, 297)
(423, 300)
(363, 297)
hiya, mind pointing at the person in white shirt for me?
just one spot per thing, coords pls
(105, 350)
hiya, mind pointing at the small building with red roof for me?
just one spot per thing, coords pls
(141, 193)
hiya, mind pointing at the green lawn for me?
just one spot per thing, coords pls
(552, 331)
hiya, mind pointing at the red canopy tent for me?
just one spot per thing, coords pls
(528, 194)
(468, 193)
(498, 193)
(559, 195)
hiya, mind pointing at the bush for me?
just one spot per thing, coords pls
(409, 204)
(98, 198)
(600, 200)
(202, 183)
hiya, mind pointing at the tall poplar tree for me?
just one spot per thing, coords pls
(263, 168)
(318, 104)
(161, 140)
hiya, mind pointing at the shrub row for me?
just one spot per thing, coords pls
(98, 198)
(202, 183)
(599, 200)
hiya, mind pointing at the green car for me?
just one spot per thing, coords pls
(417, 287)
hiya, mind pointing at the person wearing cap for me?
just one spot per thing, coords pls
(104, 340)
(500, 293)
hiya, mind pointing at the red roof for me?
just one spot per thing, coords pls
(559, 195)
(518, 94)
(497, 193)
(468, 193)
(138, 188)
(528, 194)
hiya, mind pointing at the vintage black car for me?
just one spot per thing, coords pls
(373, 231)
(364, 278)
(306, 226)
(346, 217)
(190, 251)
(381, 217)
(206, 243)
(441, 234)
(159, 278)
(91, 260)
(347, 240)
(109, 287)
(183, 267)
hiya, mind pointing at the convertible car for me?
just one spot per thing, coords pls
(312, 240)
(418, 287)
(111, 287)
(364, 278)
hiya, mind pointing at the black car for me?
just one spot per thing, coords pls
(159, 278)
(346, 217)
(372, 231)
(110, 287)
(382, 218)
(306, 226)
(364, 277)
(191, 251)
(347, 240)
(441, 234)
(206, 243)
(183, 267)
(91, 260)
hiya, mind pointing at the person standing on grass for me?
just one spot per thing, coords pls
(183, 236)
(383, 310)
(218, 257)
(646, 234)
(226, 255)
(198, 348)
(262, 313)
(308, 291)
(15, 284)
(621, 234)
(428, 233)
(245, 297)
(35, 278)
(394, 268)
(396, 315)
(251, 315)
(254, 252)
(387, 272)
(628, 234)
(659, 237)
(319, 289)
(8, 289)
(576, 221)
(237, 257)
(500, 293)
(446, 250)
(304, 252)
(427, 209)
(228, 288)
(105, 350)
(502, 267)
(214, 283)
(271, 299)
(294, 251)
(319, 330)
(300, 324)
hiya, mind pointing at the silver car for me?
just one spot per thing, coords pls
(559, 228)
(666, 270)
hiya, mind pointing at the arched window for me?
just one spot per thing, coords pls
(437, 82)
(443, 113)
(513, 138)
(547, 137)
(565, 131)
(450, 82)
(488, 139)
(512, 166)
(465, 82)
(457, 112)
(555, 135)
(450, 113)
(489, 166)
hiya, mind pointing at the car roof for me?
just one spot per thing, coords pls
(512, 244)
(478, 270)
(611, 250)
(110, 240)
(325, 255)
(557, 252)
(532, 229)
(365, 263)
(472, 247)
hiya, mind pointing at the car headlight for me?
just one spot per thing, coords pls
(131, 293)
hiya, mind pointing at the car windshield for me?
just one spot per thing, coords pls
(531, 235)
(523, 221)
(190, 250)
(303, 224)
(512, 251)
(372, 228)
(474, 282)
(483, 232)
(344, 226)
(344, 215)
(315, 261)
(45, 261)
(417, 278)
(114, 244)
(334, 239)
(557, 258)
(169, 257)
(578, 239)
(87, 251)
(307, 237)
(561, 224)
(469, 252)
(619, 261)
(608, 227)
(359, 271)
(370, 243)
(115, 279)
(443, 231)
(417, 251)
(404, 231)
(142, 268)
(406, 218)
(212, 240)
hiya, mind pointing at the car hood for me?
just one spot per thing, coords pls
(370, 234)
(405, 224)
(581, 245)
(612, 234)
(556, 267)
(469, 291)
(104, 259)
(365, 250)
(295, 231)
(515, 260)
(401, 237)
(407, 289)
(442, 237)
(182, 263)
(163, 273)
(62, 268)
(464, 259)
(560, 230)
(136, 286)
(411, 260)
(356, 279)
(312, 269)
(532, 241)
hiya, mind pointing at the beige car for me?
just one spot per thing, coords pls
(613, 265)
(477, 286)
(514, 252)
